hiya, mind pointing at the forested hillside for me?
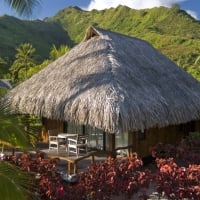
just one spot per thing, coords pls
(171, 30)
(42, 35)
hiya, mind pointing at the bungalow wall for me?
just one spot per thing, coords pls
(141, 141)
(49, 124)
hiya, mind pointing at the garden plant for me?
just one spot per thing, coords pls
(173, 173)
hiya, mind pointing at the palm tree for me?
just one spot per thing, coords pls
(58, 52)
(24, 60)
(23, 7)
(14, 184)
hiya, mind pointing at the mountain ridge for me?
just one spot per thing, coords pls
(171, 30)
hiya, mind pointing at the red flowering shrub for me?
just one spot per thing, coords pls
(188, 150)
(122, 176)
(100, 181)
(177, 182)
(163, 151)
(114, 177)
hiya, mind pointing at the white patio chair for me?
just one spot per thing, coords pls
(55, 143)
(77, 144)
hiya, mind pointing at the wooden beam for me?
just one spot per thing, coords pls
(111, 144)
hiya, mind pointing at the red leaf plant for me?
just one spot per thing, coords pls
(177, 182)
(123, 176)
(102, 180)
(114, 177)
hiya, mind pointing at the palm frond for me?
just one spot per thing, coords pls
(14, 183)
(11, 130)
(23, 7)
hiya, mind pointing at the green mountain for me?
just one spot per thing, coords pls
(171, 30)
(42, 35)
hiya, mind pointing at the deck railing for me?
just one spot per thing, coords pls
(72, 166)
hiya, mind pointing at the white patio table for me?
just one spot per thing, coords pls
(66, 135)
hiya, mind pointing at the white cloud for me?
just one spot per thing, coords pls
(192, 13)
(136, 4)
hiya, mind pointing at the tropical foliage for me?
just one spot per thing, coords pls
(14, 183)
(53, 55)
(58, 52)
(41, 35)
(23, 7)
(172, 176)
(24, 65)
(171, 30)
(16, 132)
(11, 130)
(24, 61)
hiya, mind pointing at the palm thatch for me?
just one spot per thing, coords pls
(113, 82)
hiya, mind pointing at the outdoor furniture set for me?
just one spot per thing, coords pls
(73, 143)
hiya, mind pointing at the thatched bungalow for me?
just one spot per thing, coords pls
(118, 85)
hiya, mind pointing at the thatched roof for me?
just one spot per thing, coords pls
(111, 81)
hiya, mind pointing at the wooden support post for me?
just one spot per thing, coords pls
(69, 167)
(83, 129)
(104, 140)
(112, 144)
(75, 168)
(130, 142)
(92, 161)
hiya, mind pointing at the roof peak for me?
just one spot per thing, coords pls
(92, 31)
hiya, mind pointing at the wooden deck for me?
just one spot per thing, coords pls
(92, 156)
(72, 162)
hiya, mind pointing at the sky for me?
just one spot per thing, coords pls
(49, 8)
